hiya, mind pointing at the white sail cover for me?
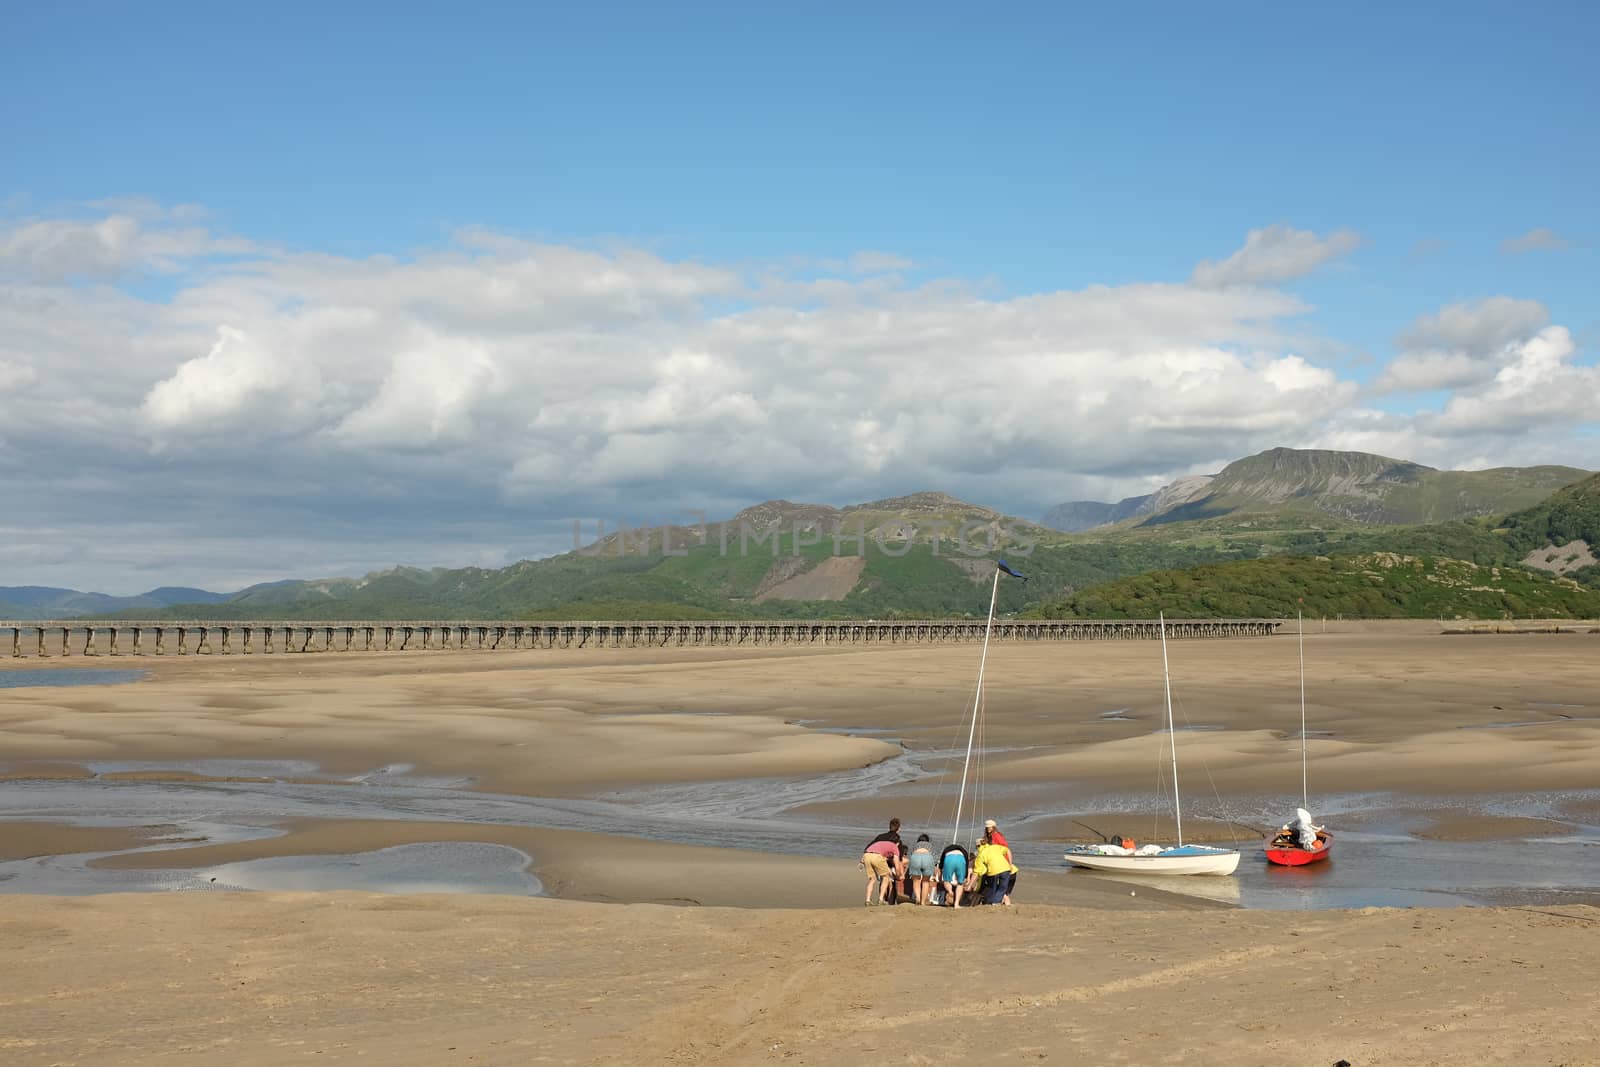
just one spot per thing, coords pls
(1305, 831)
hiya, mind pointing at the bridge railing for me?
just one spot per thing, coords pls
(246, 637)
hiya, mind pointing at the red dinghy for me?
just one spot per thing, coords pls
(1284, 848)
(1283, 851)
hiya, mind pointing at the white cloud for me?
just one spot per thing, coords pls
(1417, 372)
(240, 387)
(428, 398)
(1274, 254)
(137, 239)
(1535, 240)
(496, 386)
(1462, 344)
(1539, 387)
(14, 376)
(1477, 327)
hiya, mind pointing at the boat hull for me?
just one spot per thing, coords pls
(1295, 856)
(1209, 861)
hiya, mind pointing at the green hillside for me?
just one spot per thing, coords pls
(1285, 490)
(931, 554)
(1373, 585)
(1570, 515)
(904, 580)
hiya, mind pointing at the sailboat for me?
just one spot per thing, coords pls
(1156, 859)
(1284, 848)
(1001, 567)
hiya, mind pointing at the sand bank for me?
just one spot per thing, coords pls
(603, 867)
(259, 979)
(1390, 709)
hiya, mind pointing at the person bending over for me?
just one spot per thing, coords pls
(953, 867)
(876, 861)
(993, 865)
(922, 869)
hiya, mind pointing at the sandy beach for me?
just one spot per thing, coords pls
(686, 953)
(265, 979)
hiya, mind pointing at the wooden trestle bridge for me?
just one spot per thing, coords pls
(75, 637)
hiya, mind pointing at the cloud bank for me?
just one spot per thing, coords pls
(299, 413)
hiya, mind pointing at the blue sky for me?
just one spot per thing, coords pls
(1037, 152)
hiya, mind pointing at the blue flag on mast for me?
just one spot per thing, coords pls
(1007, 568)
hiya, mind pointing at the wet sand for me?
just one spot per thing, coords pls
(273, 978)
(24, 840)
(603, 867)
(1402, 710)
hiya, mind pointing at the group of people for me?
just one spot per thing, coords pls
(917, 874)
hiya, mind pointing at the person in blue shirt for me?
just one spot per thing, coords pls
(953, 872)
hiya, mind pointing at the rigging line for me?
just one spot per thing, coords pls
(983, 767)
(950, 750)
(983, 660)
(1161, 796)
(980, 768)
(1215, 792)
(1305, 796)
(1172, 733)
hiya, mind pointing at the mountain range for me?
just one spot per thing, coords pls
(931, 554)
(45, 602)
(1326, 487)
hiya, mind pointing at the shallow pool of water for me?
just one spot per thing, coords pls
(1377, 860)
(50, 676)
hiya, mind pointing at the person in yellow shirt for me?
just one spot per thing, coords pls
(993, 865)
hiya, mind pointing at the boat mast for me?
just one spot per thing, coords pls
(1305, 796)
(977, 700)
(1172, 733)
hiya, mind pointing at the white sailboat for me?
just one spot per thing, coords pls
(1158, 859)
(1001, 567)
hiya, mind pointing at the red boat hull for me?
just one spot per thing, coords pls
(1299, 857)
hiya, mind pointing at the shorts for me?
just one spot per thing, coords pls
(877, 866)
(955, 869)
(922, 865)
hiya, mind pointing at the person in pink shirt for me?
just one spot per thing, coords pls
(879, 860)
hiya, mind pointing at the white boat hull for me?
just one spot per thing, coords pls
(1218, 861)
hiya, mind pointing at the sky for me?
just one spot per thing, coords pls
(302, 290)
